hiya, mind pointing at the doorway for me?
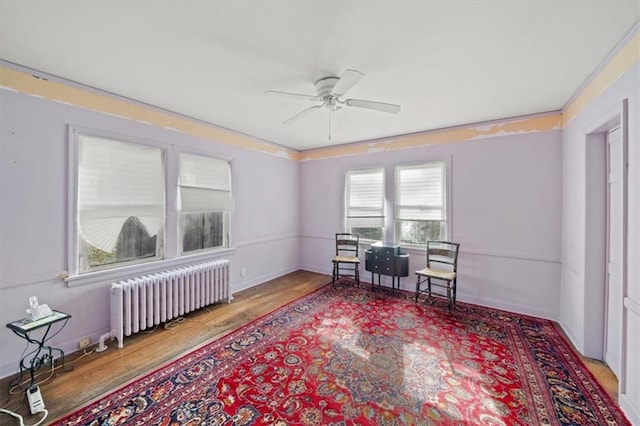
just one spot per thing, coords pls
(604, 214)
(614, 252)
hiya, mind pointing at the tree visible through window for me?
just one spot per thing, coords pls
(120, 202)
(134, 242)
(421, 208)
(202, 230)
(205, 200)
(120, 216)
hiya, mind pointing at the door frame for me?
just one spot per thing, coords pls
(607, 282)
(596, 238)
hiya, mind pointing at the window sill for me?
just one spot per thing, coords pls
(421, 248)
(117, 274)
(403, 247)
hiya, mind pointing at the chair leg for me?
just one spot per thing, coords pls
(449, 298)
(429, 287)
(417, 287)
(455, 286)
(347, 271)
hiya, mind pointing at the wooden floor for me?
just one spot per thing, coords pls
(96, 374)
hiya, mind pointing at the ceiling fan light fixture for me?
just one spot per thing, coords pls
(329, 90)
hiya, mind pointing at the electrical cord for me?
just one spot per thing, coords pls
(18, 385)
(15, 383)
(150, 331)
(16, 388)
(36, 349)
(21, 420)
(171, 325)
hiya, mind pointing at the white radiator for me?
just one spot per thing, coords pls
(143, 302)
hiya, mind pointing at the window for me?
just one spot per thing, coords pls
(133, 202)
(364, 200)
(205, 200)
(120, 190)
(421, 203)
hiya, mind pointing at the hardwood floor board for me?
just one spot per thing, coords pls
(603, 375)
(97, 374)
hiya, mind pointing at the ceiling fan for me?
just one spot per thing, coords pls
(329, 91)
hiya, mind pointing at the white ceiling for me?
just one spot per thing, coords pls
(446, 63)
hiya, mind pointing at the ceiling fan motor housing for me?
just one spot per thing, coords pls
(324, 86)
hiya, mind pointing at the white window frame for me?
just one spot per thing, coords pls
(75, 133)
(226, 211)
(172, 256)
(347, 193)
(447, 200)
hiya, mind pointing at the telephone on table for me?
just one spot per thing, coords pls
(36, 310)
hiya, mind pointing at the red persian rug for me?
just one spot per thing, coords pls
(345, 355)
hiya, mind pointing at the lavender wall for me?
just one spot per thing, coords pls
(506, 193)
(33, 197)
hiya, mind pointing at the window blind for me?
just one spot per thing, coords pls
(205, 184)
(420, 192)
(365, 198)
(118, 180)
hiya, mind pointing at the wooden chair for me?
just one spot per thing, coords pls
(346, 262)
(442, 266)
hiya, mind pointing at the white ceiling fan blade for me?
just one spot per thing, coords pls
(301, 114)
(347, 81)
(378, 106)
(292, 95)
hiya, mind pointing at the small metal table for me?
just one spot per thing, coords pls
(42, 354)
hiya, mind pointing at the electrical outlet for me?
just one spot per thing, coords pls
(83, 343)
(243, 272)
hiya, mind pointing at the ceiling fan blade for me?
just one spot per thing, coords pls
(292, 95)
(347, 81)
(301, 114)
(378, 106)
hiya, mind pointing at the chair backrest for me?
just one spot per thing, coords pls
(441, 253)
(347, 244)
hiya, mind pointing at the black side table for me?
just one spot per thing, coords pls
(33, 360)
(386, 259)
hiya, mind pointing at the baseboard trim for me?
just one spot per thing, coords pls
(632, 412)
(575, 340)
(510, 307)
(632, 305)
(318, 270)
(262, 279)
(490, 303)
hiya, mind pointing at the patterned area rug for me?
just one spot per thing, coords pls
(344, 355)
